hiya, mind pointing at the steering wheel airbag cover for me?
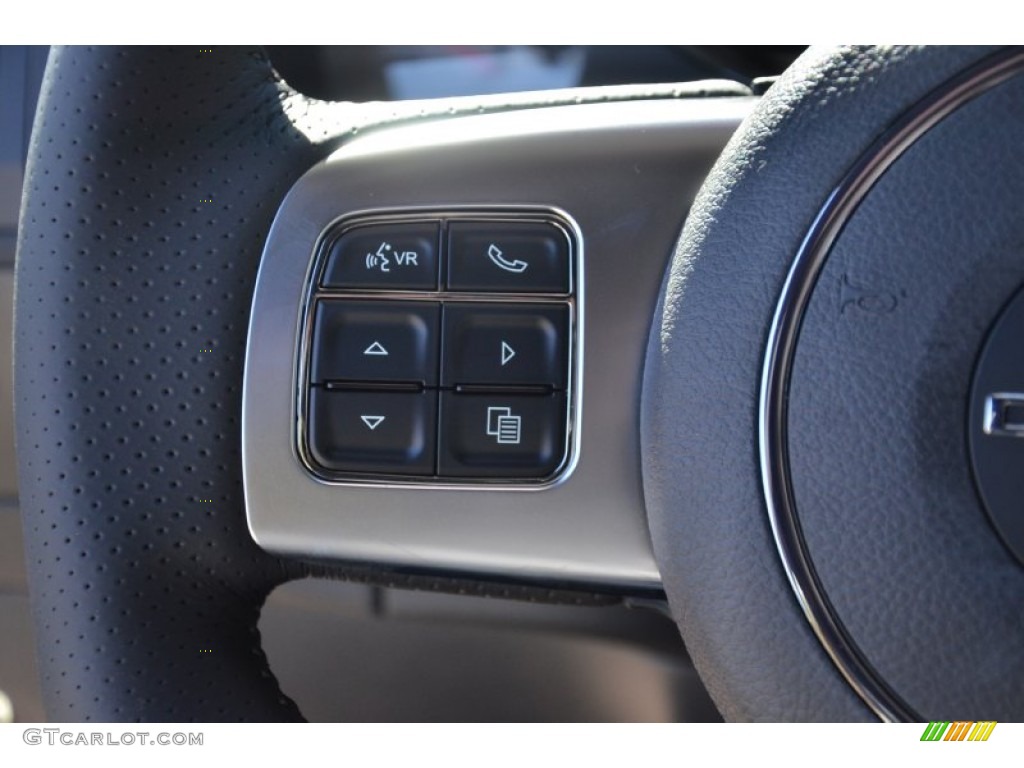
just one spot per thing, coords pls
(878, 403)
(722, 574)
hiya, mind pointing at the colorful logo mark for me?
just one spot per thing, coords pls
(960, 730)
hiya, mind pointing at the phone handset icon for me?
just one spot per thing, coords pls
(516, 266)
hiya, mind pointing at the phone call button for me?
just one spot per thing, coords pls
(529, 256)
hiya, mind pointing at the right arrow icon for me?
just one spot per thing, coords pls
(507, 353)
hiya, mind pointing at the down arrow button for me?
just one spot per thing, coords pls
(373, 432)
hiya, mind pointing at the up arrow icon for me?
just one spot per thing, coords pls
(375, 349)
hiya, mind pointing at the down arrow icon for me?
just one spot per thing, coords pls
(372, 421)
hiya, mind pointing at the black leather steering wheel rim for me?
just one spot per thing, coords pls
(704, 480)
(148, 191)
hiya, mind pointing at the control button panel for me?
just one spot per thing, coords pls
(442, 349)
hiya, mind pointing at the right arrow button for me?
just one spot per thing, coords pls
(506, 345)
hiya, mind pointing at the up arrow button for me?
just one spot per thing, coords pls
(376, 340)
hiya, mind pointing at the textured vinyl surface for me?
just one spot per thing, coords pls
(152, 179)
(728, 591)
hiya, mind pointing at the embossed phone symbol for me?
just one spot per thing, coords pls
(516, 266)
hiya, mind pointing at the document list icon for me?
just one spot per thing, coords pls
(503, 426)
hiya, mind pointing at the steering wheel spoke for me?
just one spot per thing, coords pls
(153, 181)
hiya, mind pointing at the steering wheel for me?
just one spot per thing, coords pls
(817, 467)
